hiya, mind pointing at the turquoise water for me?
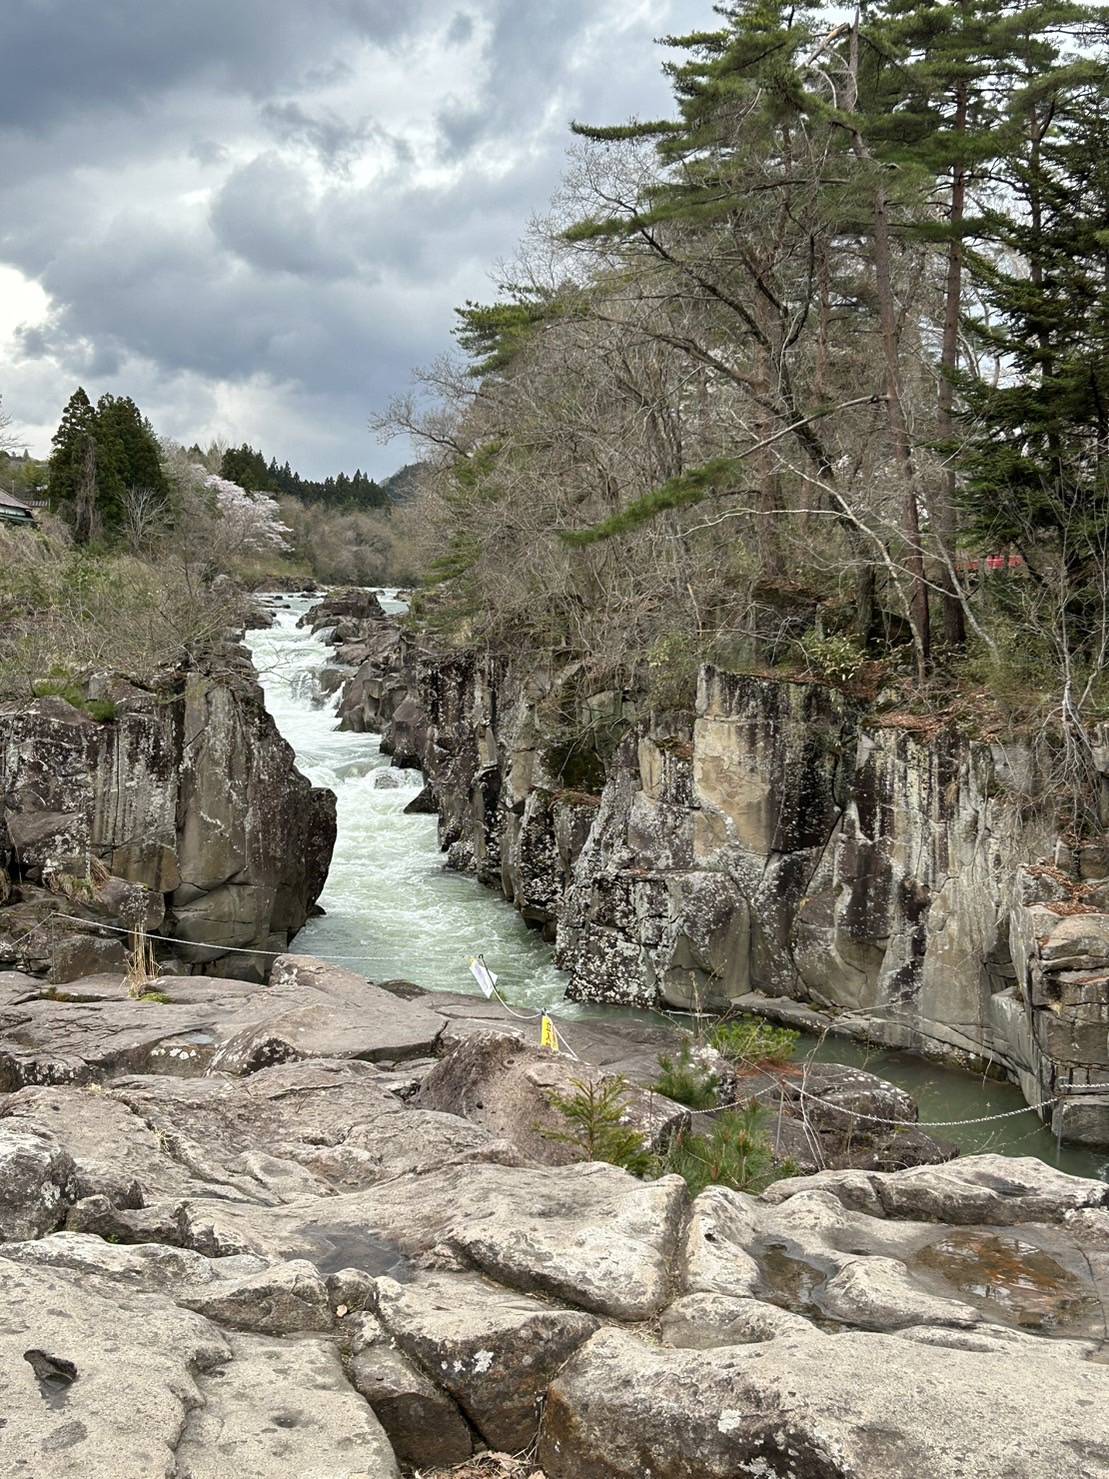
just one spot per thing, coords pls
(394, 911)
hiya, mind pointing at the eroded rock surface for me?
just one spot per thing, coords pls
(780, 847)
(184, 812)
(288, 1269)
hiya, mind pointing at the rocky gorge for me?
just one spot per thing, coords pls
(781, 848)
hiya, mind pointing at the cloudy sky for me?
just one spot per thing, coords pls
(255, 216)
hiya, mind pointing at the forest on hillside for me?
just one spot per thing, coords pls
(142, 550)
(812, 373)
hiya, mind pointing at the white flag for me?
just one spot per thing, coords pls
(483, 976)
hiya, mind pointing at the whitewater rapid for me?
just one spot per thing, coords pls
(392, 909)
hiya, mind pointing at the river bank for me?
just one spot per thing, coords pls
(394, 910)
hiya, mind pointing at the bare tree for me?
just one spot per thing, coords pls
(8, 442)
(143, 516)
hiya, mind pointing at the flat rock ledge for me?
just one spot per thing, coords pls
(311, 1231)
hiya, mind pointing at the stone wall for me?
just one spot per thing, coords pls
(186, 807)
(780, 848)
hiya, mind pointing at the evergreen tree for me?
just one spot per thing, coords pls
(1038, 464)
(71, 488)
(767, 190)
(936, 83)
(248, 468)
(99, 455)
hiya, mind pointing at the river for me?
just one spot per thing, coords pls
(393, 911)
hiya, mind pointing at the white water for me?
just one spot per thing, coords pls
(393, 910)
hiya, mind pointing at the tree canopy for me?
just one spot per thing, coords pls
(248, 468)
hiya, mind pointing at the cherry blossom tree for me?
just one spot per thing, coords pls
(251, 522)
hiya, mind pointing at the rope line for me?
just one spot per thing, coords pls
(983, 1119)
(530, 1016)
(173, 940)
(878, 1119)
(537, 1014)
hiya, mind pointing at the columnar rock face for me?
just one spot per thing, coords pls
(185, 810)
(779, 848)
(228, 1247)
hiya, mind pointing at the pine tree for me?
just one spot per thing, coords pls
(70, 488)
(767, 174)
(111, 462)
(99, 456)
(1038, 464)
(936, 85)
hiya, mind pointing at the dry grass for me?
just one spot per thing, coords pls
(485, 1466)
(65, 612)
(142, 968)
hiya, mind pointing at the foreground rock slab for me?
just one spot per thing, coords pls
(315, 1268)
(860, 1407)
(495, 1352)
(279, 1409)
(95, 1387)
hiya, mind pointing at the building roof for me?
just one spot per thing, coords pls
(14, 509)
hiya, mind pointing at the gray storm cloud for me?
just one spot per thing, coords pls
(256, 216)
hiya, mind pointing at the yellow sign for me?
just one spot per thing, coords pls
(548, 1037)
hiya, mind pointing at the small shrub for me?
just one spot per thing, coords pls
(686, 1081)
(155, 996)
(56, 687)
(597, 1125)
(673, 664)
(103, 710)
(735, 1153)
(837, 659)
(750, 1040)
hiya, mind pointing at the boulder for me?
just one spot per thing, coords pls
(37, 1181)
(701, 1322)
(282, 1410)
(722, 1228)
(511, 1087)
(316, 1010)
(494, 1351)
(75, 956)
(422, 804)
(354, 605)
(880, 1294)
(97, 1386)
(288, 1299)
(861, 1406)
(997, 1189)
(422, 1423)
(149, 1268)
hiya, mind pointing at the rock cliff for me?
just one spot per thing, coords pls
(183, 809)
(781, 847)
